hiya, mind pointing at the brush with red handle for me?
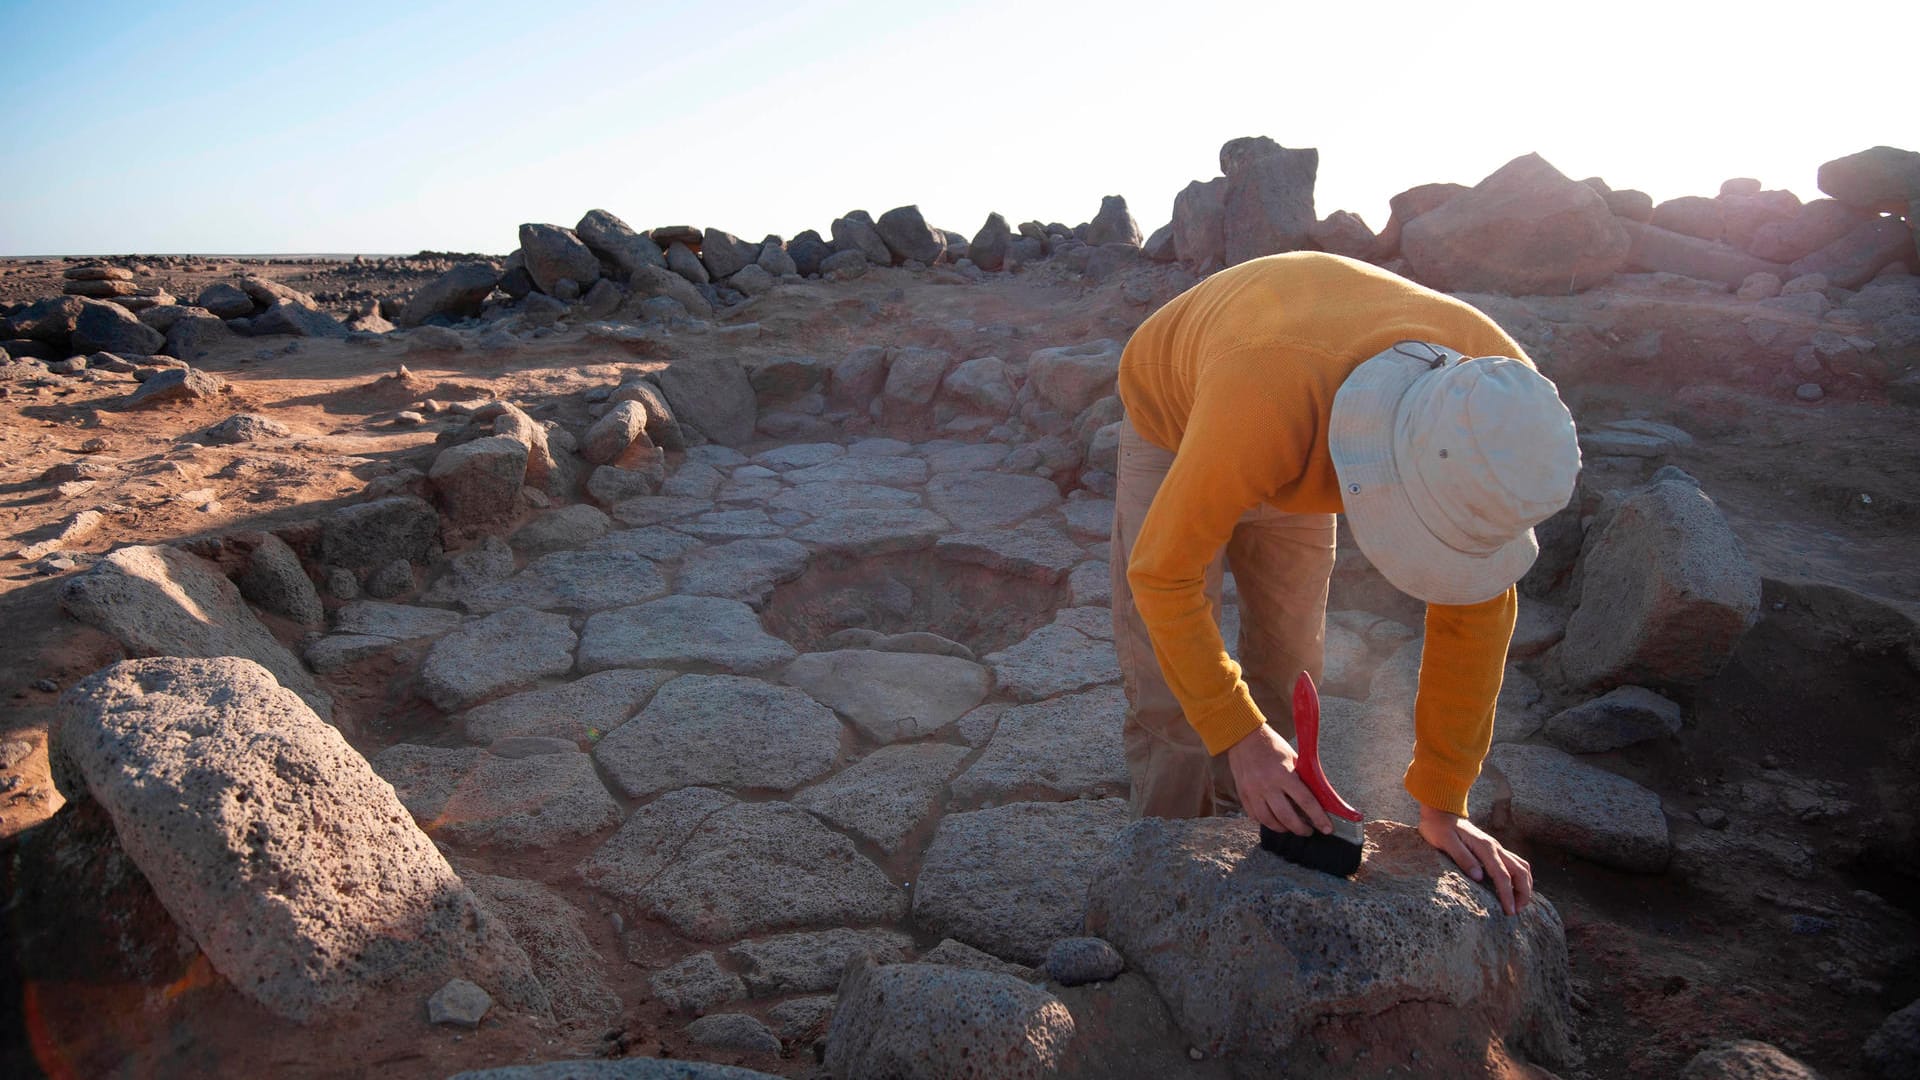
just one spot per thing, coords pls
(1337, 852)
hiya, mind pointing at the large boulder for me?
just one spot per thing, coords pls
(929, 1020)
(1553, 798)
(724, 254)
(1199, 223)
(291, 317)
(908, 236)
(855, 232)
(215, 777)
(807, 250)
(103, 327)
(479, 482)
(616, 245)
(709, 397)
(1894, 1047)
(370, 535)
(225, 299)
(1113, 224)
(1269, 198)
(1070, 378)
(456, 294)
(1524, 230)
(161, 601)
(1656, 250)
(1666, 592)
(1345, 233)
(1747, 1059)
(1850, 261)
(553, 253)
(1811, 227)
(1881, 179)
(988, 249)
(1410, 204)
(1271, 965)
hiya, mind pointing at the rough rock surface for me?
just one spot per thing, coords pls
(580, 711)
(812, 959)
(690, 630)
(552, 931)
(882, 797)
(926, 1020)
(1894, 1047)
(500, 652)
(718, 869)
(479, 482)
(1013, 879)
(623, 1069)
(161, 601)
(1587, 811)
(1525, 229)
(214, 775)
(721, 731)
(1621, 717)
(1666, 591)
(1268, 203)
(1055, 659)
(696, 984)
(891, 696)
(1077, 960)
(372, 534)
(1254, 955)
(1065, 748)
(1746, 1059)
(546, 796)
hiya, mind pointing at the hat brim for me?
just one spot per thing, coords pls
(1360, 440)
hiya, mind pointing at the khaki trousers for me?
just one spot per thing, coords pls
(1281, 565)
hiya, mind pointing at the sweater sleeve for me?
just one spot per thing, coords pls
(1245, 436)
(1460, 673)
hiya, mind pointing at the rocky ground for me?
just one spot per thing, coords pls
(713, 648)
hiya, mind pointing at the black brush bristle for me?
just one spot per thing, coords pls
(1324, 852)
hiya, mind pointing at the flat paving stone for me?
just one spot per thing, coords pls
(891, 471)
(798, 455)
(722, 525)
(1590, 812)
(716, 455)
(574, 581)
(469, 796)
(878, 447)
(656, 542)
(336, 651)
(967, 457)
(743, 570)
(891, 696)
(693, 480)
(817, 499)
(812, 959)
(982, 500)
(684, 630)
(1065, 748)
(696, 984)
(873, 532)
(503, 651)
(1012, 880)
(1091, 584)
(1089, 519)
(566, 527)
(398, 622)
(718, 869)
(580, 711)
(882, 797)
(1032, 550)
(721, 731)
(1055, 659)
(658, 509)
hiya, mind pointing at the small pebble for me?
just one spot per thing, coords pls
(1768, 761)
(1194, 1054)
(408, 419)
(46, 686)
(1712, 817)
(1810, 925)
(1809, 392)
(459, 1003)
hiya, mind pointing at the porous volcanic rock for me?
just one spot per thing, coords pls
(500, 652)
(891, 696)
(1268, 206)
(1557, 799)
(1747, 1059)
(724, 634)
(214, 774)
(1259, 960)
(721, 731)
(456, 294)
(553, 933)
(1067, 747)
(928, 1020)
(882, 797)
(1525, 229)
(552, 254)
(547, 795)
(812, 959)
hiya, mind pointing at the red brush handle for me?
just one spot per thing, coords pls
(1306, 723)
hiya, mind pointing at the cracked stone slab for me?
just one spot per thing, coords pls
(721, 525)
(574, 581)
(1012, 880)
(817, 499)
(891, 696)
(967, 457)
(718, 869)
(469, 796)
(721, 731)
(744, 570)
(1091, 584)
(812, 959)
(1065, 748)
(887, 471)
(873, 532)
(696, 984)
(656, 542)
(884, 796)
(1598, 815)
(798, 455)
(500, 652)
(580, 711)
(397, 622)
(1089, 520)
(658, 510)
(1033, 550)
(703, 630)
(1055, 659)
(984, 500)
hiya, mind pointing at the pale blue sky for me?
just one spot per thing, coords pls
(392, 127)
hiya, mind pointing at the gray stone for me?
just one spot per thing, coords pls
(614, 242)
(552, 254)
(580, 711)
(799, 1018)
(1894, 1047)
(614, 487)
(479, 482)
(274, 581)
(689, 630)
(1267, 206)
(553, 933)
(471, 797)
(962, 955)
(456, 294)
(883, 797)
(720, 526)
(721, 731)
(812, 959)
(458, 1004)
(733, 1031)
(744, 570)
(1747, 1059)
(1090, 584)
(1666, 591)
(1013, 879)
(161, 601)
(710, 397)
(1524, 230)
(988, 500)
(908, 237)
(623, 1069)
(175, 384)
(979, 386)
(1077, 960)
(573, 581)
(694, 480)
(891, 471)
(696, 984)
(988, 249)
(798, 456)
(390, 581)
(196, 334)
(855, 233)
(565, 527)
(500, 652)
(718, 869)
(1619, 718)
(1033, 550)
(1199, 223)
(214, 775)
(724, 254)
(609, 439)
(925, 1020)
(225, 300)
(1065, 748)
(1071, 378)
(873, 532)
(1113, 224)
(662, 428)
(817, 499)
(1054, 659)
(891, 696)
(1089, 519)
(1589, 812)
(1253, 954)
(245, 428)
(372, 534)
(913, 375)
(297, 319)
(395, 622)
(100, 326)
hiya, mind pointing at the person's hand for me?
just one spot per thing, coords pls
(1270, 791)
(1480, 856)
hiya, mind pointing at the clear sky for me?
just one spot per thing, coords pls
(399, 126)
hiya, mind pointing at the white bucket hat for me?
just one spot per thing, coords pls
(1446, 463)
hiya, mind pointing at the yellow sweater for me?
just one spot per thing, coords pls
(1237, 377)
